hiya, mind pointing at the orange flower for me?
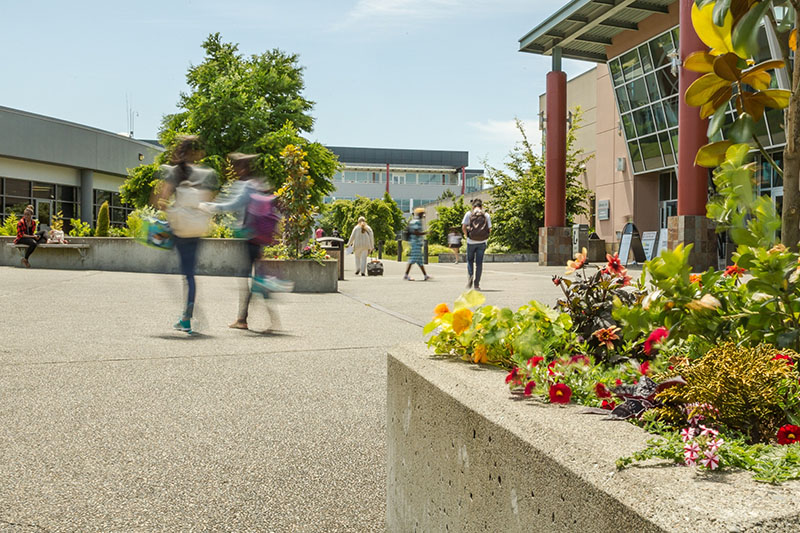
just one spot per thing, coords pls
(695, 278)
(607, 336)
(462, 319)
(578, 262)
(479, 355)
(440, 310)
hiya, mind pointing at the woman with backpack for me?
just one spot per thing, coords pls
(363, 242)
(253, 206)
(477, 225)
(188, 185)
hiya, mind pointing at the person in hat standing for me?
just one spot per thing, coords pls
(415, 236)
(477, 225)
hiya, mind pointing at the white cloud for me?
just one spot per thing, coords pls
(506, 132)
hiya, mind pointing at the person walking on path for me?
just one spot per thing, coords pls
(415, 235)
(454, 241)
(26, 234)
(477, 225)
(363, 242)
(190, 185)
(237, 202)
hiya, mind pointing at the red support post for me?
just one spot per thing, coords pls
(463, 180)
(387, 177)
(555, 189)
(692, 180)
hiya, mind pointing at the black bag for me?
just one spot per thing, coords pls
(478, 229)
(375, 268)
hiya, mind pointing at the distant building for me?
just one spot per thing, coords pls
(411, 177)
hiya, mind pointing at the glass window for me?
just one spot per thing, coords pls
(65, 193)
(15, 205)
(622, 98)
(636, 156)
(659, 48)
(349, 176)
(43, 190)
(764, 175)
(777, 180)
(616, 72)
(652, 87)
(775, 121)
(667, 83)
(651, 152)
(637, 91)
(411, 178)
(102, 196)
(666, 149)
(661, 119)
(763, 52)
(643, 118)
(671, 110)
(663, 187)
(627, 123)
(761, 132)
(674, 136)
(631, 66)
(68, 209)
(644, 54)
(19, 188)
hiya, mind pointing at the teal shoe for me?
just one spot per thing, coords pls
(183, 325)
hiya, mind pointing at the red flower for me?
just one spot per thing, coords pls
(788, 434)
(734, 270)
(550, 371)
(579, 358)
(696, 278)
(556, 280)
(535, 360)
(529, 388)
(608, 405)
(511, 375)
(560, 393)
(783, 357)
(618, 382)
(654, 338)
(644, 368)
(602, 391)
(614, 266)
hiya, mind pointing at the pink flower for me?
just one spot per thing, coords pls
(602, 391)
(534, 361)
(711, 460)
(655, 337)
(529, 388)
(705, 430)
(687, 434)
(644, 368)
(579, 358)
(688, 460)
(714, 444)
(691, 449)
(560, 393)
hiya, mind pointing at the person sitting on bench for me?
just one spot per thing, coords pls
(27, 234)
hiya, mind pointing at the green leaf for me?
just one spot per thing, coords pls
(430, 326)
(716, 121)
(721, 8)
(742, 130)
(745, 34)
(471, 298)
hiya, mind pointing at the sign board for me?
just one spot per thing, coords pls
(649, 243)
(663, 235)
(625, 248)
(603, 209)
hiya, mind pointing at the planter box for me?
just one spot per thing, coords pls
(463, 455)
(307, 275)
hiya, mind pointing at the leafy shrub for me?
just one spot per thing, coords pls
(9, 226)
(102, 221)
(446, 217)
(79, 228)
(58, 221)
(752, 390)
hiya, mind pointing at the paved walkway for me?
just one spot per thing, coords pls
(110, 421)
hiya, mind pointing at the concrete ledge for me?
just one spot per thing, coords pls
(307, 275)
(463, 455)
(493, 258)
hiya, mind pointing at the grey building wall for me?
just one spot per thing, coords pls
(401, 157)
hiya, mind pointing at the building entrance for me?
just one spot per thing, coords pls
(44, 211)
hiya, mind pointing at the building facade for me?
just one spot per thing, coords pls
(62, 167)
(411, 177)
(636, 94)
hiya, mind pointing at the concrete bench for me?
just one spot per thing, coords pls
(81, 248)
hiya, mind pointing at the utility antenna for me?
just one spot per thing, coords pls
(130, 114)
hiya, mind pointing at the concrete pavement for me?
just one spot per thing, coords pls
(111, 421)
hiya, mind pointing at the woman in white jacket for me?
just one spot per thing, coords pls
(363, 242)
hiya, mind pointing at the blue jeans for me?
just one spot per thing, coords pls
(475, 255)
(187, 253)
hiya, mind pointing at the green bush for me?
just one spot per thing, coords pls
(79, 228)
(9, 227)
(102, 221)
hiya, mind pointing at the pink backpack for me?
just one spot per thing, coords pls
(262, 218)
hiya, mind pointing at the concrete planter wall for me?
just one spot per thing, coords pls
(216, 257)
(493, 258)
(463, 456)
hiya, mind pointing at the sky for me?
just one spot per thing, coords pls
(419, 74)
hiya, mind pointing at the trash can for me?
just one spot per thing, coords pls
(334, 246)
(580, 238)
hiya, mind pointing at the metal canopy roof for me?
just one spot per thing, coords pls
(583, 28)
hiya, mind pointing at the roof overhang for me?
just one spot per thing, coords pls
(583, 29)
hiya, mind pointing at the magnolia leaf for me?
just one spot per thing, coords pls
(702, 62)
(721, 8)
(742, 129)
(471, 298)
(745, 35)
(759, 80)
(712, 155)
(725, 67)
(764, 65)
(716, 121)
(704, 88)
(754, 103)
(776, 98)
(722, 96)
(716, 37)
(793, 39)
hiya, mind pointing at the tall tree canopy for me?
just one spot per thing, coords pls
(242, 104)
(517, 205)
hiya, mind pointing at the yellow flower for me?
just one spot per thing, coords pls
(462, 319)
(440, 310)
(479, 355)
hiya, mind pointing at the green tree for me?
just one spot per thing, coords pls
(102, 221)
(398, 219)
(299, 211)
(380, 215)
(517, 205)
(241, 104)
(446, 217)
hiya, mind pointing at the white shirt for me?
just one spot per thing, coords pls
(465, 222)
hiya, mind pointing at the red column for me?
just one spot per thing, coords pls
(463, 180)
(692, 180)
(555, 187)
(387, 177)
